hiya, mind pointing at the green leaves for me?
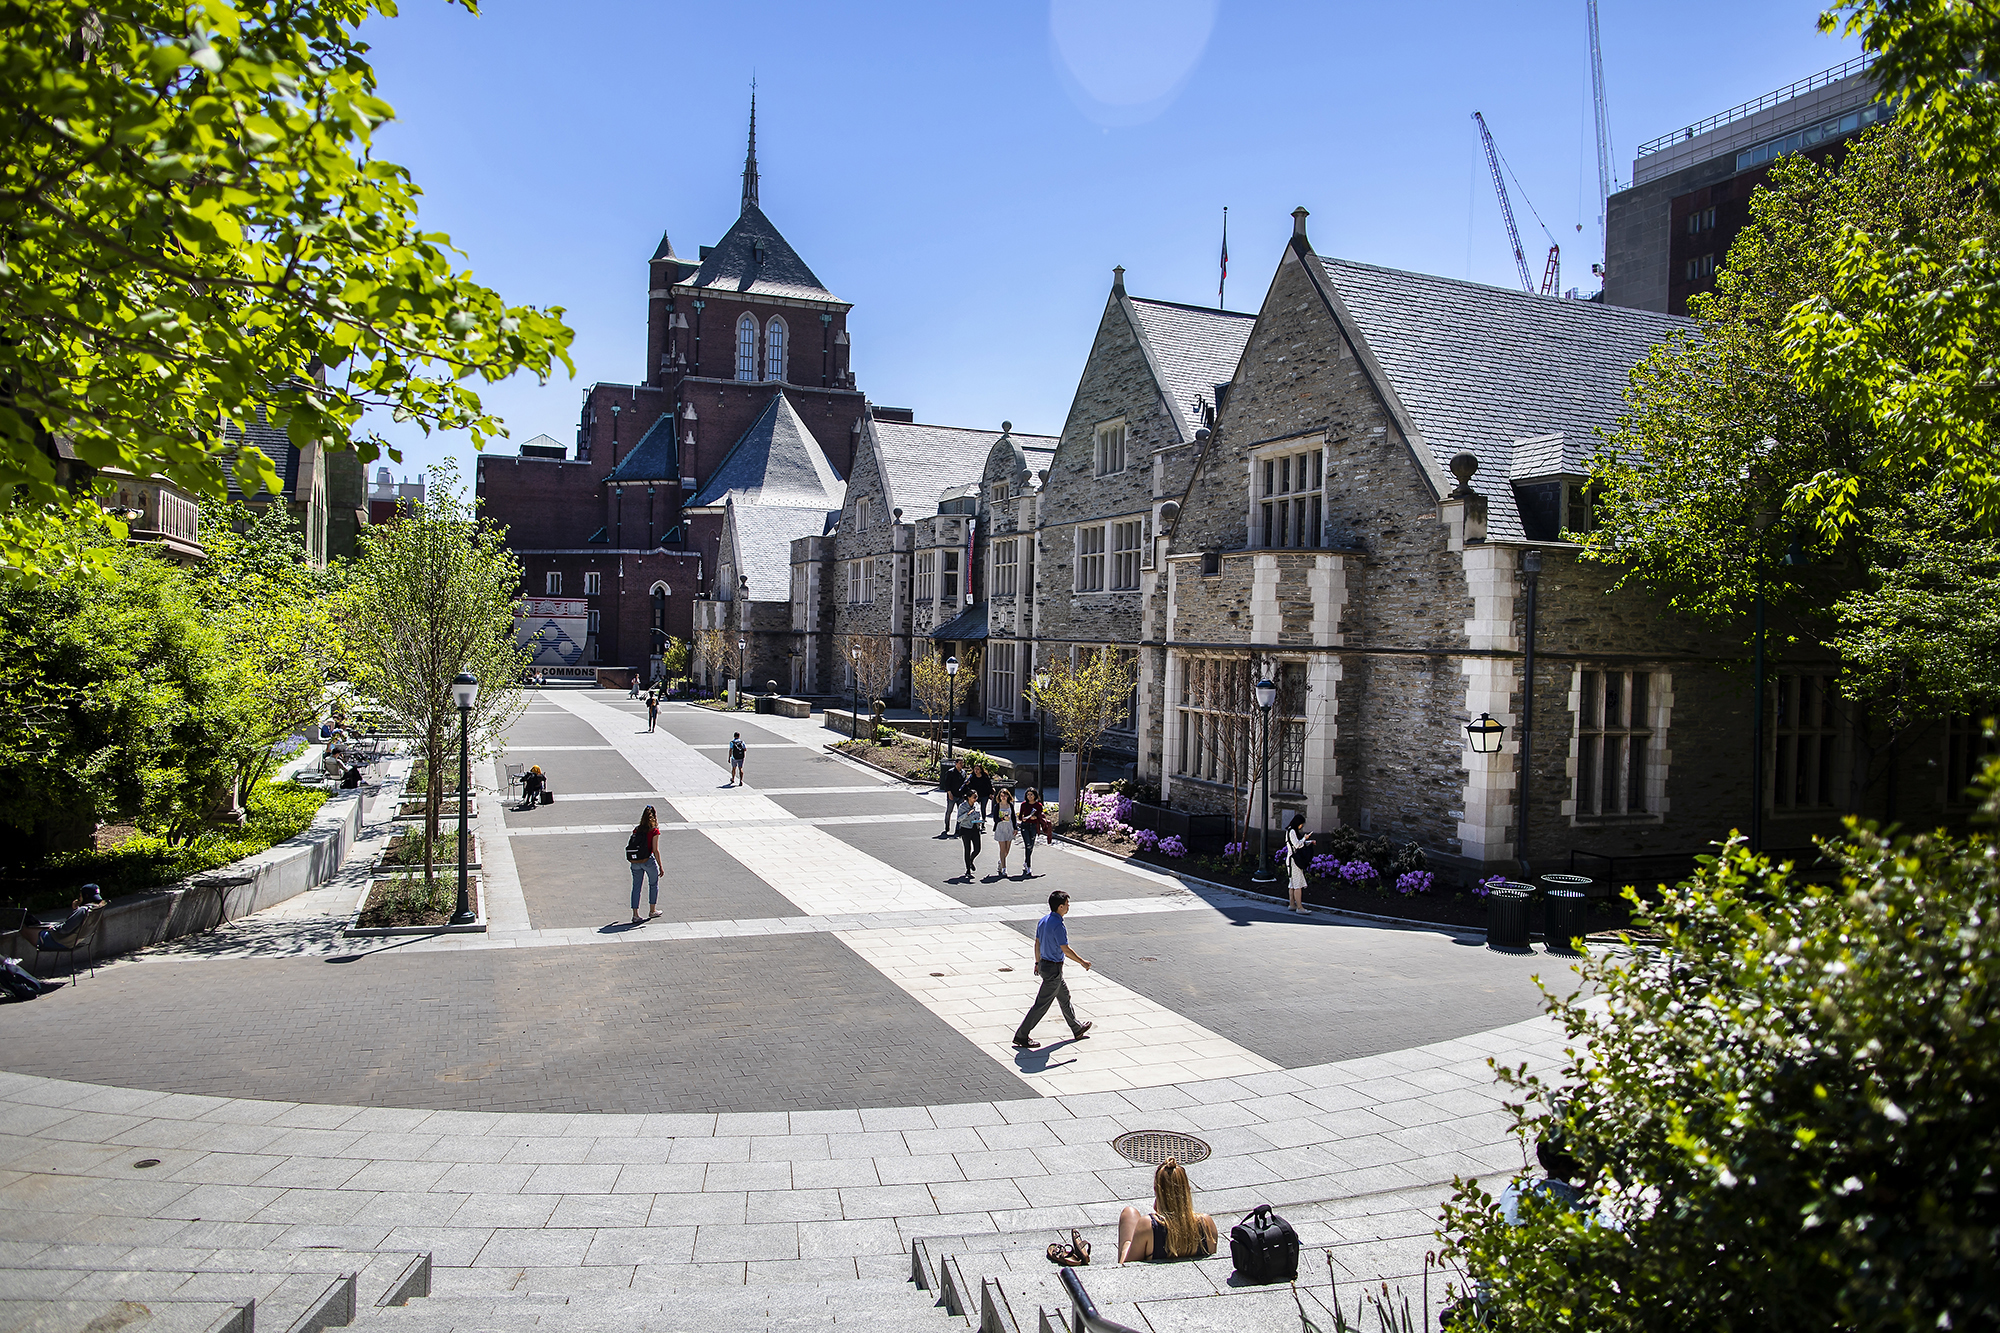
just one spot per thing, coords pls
(1905, 335)
(1782, 1103)
(193, 228)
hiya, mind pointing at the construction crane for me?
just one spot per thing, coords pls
(1552, 274)
(1604, 181)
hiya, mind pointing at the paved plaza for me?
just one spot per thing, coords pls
(802, 1066)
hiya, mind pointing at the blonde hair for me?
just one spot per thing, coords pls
(1174, 1197)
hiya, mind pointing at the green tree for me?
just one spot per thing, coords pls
(1706, 492)
(1085, 697)
(194, 228)
(1782, 1104)
(1905, 338)
(432, 595)
(279, 617)
(116, 697)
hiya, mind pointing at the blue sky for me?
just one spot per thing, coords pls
(968, 174)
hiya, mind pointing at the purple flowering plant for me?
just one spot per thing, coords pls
(1147, 839)
(1173, 847)
(1326, 866)
(1414, 881)
(1357, 872)
(1486, 886)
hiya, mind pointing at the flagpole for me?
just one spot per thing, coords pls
(1222, 286)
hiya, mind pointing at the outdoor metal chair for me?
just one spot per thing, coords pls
(85, 938)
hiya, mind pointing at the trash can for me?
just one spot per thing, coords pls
(1562, 920)
(1507, 915)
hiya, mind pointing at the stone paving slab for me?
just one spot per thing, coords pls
(941, 862)
(584, 880)
(616, 808)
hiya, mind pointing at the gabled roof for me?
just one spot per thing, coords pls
(654, 458)
(761, 543)
(777, 461)
(920, 463)
(731, 265)
(1193, 349)
(1478, 367)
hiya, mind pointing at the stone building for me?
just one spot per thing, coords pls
(1070, 565)
(1376, 524)
(736, 338)
(902, 563)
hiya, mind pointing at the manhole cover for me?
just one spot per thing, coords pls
(1153, 1146)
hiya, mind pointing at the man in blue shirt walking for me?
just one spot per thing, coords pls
(1051, 947)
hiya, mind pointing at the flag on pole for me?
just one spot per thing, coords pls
(1223, 285)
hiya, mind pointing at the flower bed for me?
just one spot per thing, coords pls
(1347, 883)
(905, 759)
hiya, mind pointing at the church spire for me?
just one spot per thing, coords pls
(750, 161)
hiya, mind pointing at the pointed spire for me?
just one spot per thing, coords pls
(750, 162)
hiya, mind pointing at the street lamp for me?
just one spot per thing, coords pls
(464, 692)
(1484, 735)
(1041, 733)
(1267, 696)
(951, 704)
(857, 691)
(741, 644)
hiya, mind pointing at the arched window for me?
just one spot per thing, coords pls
(774, 349)
(746, 348)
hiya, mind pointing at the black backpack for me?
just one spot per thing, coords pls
(1264, 1247)
(636, 847)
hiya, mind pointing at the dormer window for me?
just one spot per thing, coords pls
(1000, 492)
(746, 348)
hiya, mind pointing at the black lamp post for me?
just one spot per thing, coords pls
(1267, 697)
(951, 704)
(464, 692)
(1041, 734)
(741, 644)
(857, 693)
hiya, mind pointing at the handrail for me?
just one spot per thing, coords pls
(1770, 99)
(1087, 1318)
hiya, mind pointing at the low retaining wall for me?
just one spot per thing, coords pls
(290, 868)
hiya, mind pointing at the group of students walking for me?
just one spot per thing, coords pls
(972, 800)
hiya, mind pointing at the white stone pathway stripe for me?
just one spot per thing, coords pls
(1136, 1043)
(668, 763)
(869, 790)
(793, 821)
(556, 749)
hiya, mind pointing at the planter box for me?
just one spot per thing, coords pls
(416, 809)
(783, 707)
(384, 865)
(301, 862)
(478, 926)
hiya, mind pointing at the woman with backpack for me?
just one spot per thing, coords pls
(971, 821)
(1034, 820)
(643, 851)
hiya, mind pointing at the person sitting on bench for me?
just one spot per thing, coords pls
(532, 783)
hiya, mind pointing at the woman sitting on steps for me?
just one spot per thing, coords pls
(1174, 1230)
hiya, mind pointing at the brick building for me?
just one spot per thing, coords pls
(742, 340)
(1668, 232)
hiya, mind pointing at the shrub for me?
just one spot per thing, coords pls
(1413, 881)
(1147, 840)
(1406, 859)
(1173, 847)
(1357, 873)
(1784, 1110)
(1233, 850)
(1325, 866)
(1144, 792)
(1481, 888)
(885, 736)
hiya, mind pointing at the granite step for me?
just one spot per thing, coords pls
(768, 1309)
(107, 1316)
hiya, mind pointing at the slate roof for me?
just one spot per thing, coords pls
(966, 625)
(778, 462)
(1478, 368)
(654, 458)
(276, 446)
(762, 544)
(920, 463)
(732, 264)
(1195, 348)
